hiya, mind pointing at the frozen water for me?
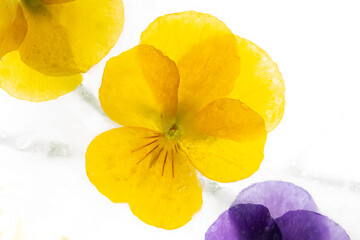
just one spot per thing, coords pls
(44, 191)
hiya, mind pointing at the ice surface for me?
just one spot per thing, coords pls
(44, 191)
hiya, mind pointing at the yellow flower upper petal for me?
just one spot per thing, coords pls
(207, 72)
(133, 165)
(13, 26)
(176, 34)
(22, 82)
(56, 1)
(139, 88)
(7, 14)
(260, 84)
(225, 141)
(205, 52)
(67, 39)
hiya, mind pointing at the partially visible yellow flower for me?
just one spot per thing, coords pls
(56, 40)
(191, 96)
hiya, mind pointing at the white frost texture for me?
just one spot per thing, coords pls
(46, 195)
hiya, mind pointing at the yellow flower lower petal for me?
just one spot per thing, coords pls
(168, 201)
(131, 165)
(139, 88)
(205, 52)
(260, 84)
(13, 26)
(22, 82)
(225, 142)
(224, 160)
(110, 161)
(226, 118)
(66, 39)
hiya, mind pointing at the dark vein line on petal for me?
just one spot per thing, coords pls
(144, 146)
(155, 136)
(157, 157)
(162, 173)
(147, 154)
(172, 164)
(176, 149)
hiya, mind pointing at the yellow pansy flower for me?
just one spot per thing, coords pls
(192, 96)
(55, 41)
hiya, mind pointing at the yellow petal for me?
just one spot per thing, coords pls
(55, 1)
(66, 39)
(260, 84)
(22, 82)
(7, 14)
(13, 26)
(205, 52)
(225, 141)
(139, 88)
(126, 165)
(176, 34)
(208, 72)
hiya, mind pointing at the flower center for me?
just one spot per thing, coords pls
(163, 147)
(34, 5)
(38, 4)
(173, 133)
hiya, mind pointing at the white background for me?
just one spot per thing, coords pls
(44, 191)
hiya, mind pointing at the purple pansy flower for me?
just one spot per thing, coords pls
(274, 210)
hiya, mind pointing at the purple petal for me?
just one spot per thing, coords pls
(307, 225)
(223, 229)
(254, 222)
(279, 197)
(244, 222)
